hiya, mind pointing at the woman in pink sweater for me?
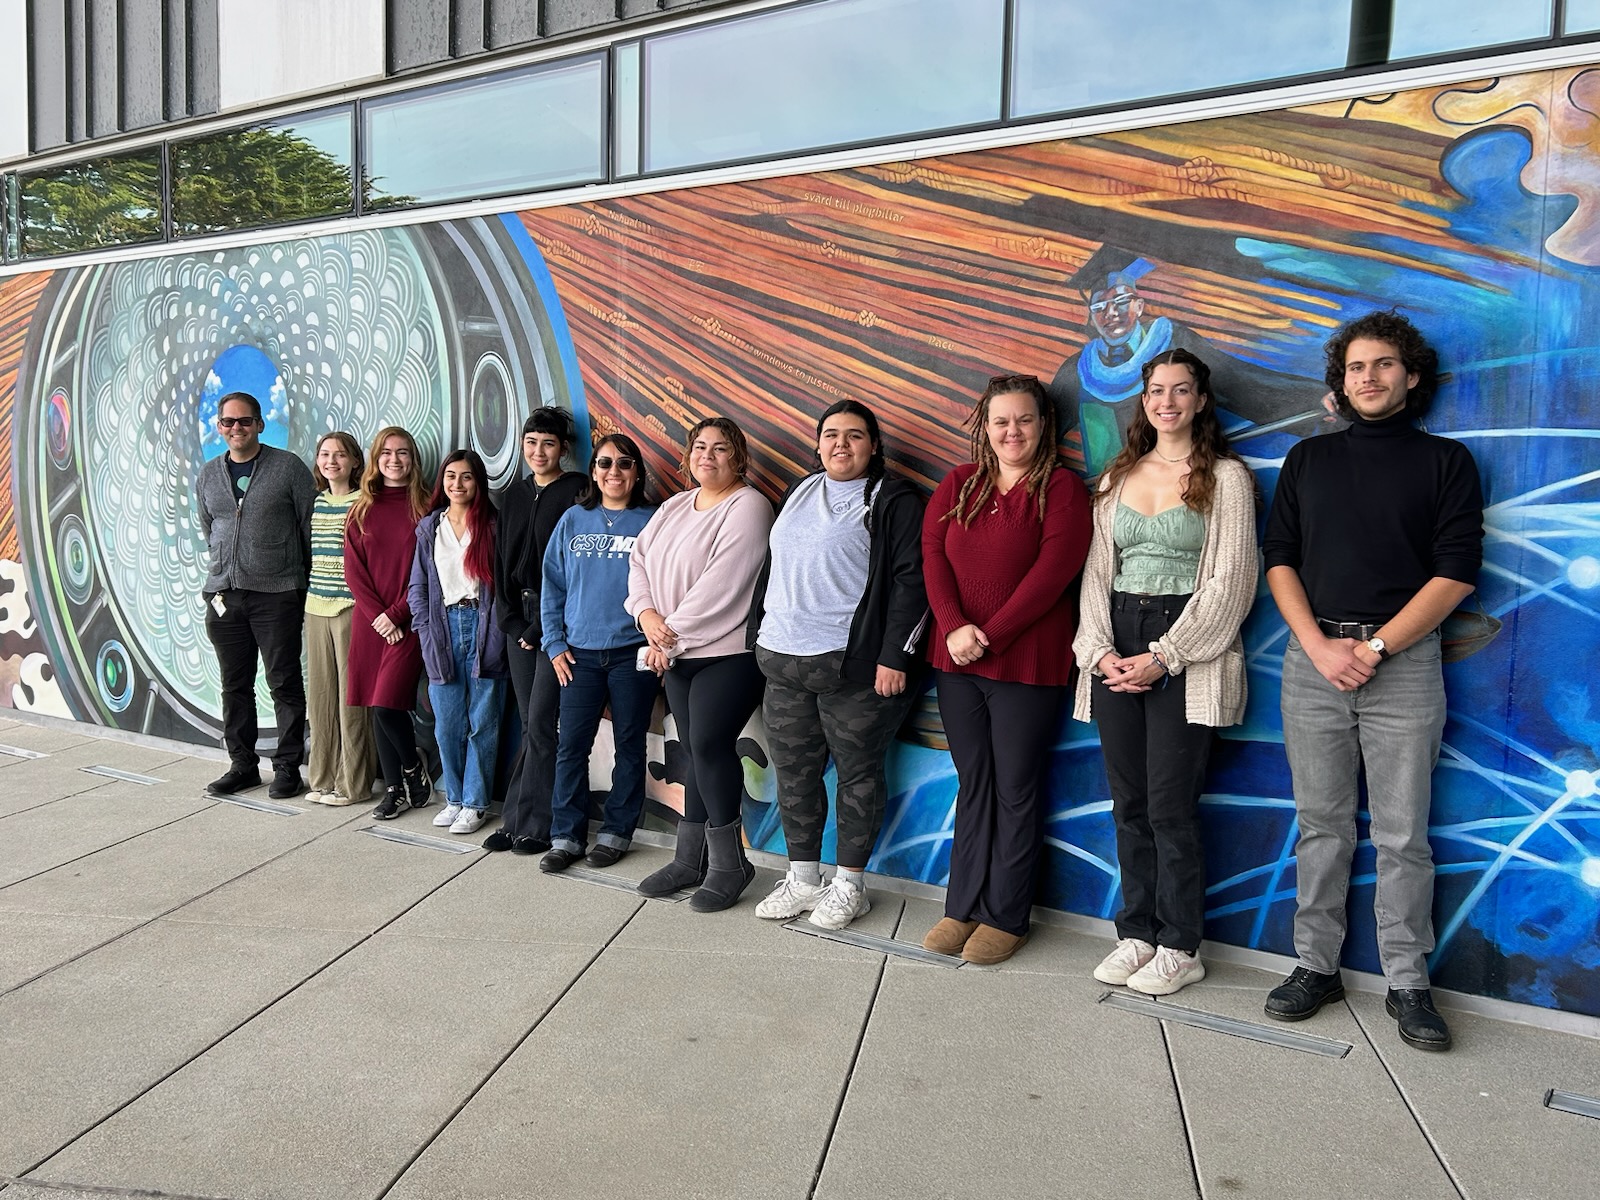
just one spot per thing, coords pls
(1002, 542)
(690, 582)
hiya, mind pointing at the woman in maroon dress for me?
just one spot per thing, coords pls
(385, 656)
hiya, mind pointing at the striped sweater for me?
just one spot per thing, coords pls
(329, 595)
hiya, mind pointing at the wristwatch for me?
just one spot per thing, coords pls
(1377, 647)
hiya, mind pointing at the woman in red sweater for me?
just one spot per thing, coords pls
(385, 656)
(1003, 540)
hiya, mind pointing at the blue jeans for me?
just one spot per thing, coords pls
(599, 676)
(466, 717)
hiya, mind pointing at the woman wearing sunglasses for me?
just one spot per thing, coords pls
(594, 647)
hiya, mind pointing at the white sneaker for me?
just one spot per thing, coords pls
(842, 903)
(448, 816)
(336, 799)
(1127, 957)
(1168, 971)
(314, 796)
(468, 821)
(790, 898)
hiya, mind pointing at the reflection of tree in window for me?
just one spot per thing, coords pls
(103, 202)
(255, 177)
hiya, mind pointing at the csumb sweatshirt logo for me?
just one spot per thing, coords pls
(601, 545)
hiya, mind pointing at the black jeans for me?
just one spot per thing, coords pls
(1156, 767)
(533, 782)
(268, 624)
(1000, 735)
(711, 699)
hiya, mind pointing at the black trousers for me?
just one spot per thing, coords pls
(396, 736)
(1000, 736)
(1156, 767)
(267, 625)
(533, 782)
(711, 699)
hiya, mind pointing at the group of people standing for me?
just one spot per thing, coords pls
(823, 613)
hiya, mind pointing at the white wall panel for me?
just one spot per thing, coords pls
(270, 51)
(13, 79)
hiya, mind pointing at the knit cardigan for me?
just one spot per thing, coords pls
(1204, 643)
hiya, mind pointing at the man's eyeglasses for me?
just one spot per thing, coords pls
(1118, 304)
(230, 422)
(606, 463)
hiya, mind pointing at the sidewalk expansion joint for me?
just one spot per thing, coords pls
(1308, 1043)
(420, 840)
(254, 805)
(91, 1189)
(124, 776)
(22, 752)
(873, 941)
(1571, 1102)
(617, 883)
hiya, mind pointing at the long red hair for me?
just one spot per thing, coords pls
(480, 517)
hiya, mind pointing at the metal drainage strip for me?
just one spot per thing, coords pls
(872, 941)
(586, 875)
(1308, 1043)
(420, 841)
(21, 752)
(124, 776)
(266, 806)
(1571, 1102)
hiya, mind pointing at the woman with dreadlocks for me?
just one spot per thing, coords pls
(838, 616)
(1003, 542)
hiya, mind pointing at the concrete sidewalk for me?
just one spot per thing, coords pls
(201, 1000)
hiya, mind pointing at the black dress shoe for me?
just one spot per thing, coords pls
(285, 784)
(603, 856)
(557, 861)
(1420, 1023)
(1303, 994)
(498, 840)
(529, 845)
(238, 779)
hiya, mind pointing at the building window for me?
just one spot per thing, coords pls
(266, 175)
(111, 201)
(517, 131)
(832, 73)
(1583, 16)
(1427, 27)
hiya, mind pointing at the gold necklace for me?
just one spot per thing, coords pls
(1164, 458)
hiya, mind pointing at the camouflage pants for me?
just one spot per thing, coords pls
(811, 712)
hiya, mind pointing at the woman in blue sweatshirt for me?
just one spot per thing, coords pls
(594, 645)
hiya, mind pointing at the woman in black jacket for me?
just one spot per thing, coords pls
(529, 510)
(838, 616)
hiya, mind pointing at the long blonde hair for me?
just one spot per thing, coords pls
(980, 485)
(372, 481)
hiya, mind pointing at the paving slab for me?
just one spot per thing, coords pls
(86, 1038)
(1482, 1103)
(157, 871)
(46, 738)
(35, 942)
(1272, 1121)
(347, 880)
(330, 1092)
(663, 1073)
(52, 834)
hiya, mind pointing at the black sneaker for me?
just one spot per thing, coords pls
(1303, 994)
(1420, 1023)
(498, 840)
(285, 783)
(393, 803)
(418, 786)
(529, 845)
(238, 779)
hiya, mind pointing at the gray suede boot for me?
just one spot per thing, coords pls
(730, 871)
(688, 865)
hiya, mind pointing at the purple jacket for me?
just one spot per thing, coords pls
(427, 614)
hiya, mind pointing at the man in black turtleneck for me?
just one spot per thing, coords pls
(1375, 536)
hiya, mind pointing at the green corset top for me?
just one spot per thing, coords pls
(1159, 555)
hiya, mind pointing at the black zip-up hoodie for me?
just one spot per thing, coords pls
(527, 519)
(892, 618)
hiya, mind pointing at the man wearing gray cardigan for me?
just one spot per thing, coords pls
(255, 510)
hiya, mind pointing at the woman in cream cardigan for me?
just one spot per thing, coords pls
(1171, 574)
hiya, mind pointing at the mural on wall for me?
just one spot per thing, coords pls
(906, 285)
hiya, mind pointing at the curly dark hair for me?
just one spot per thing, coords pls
(1418, 358)
(986, 479)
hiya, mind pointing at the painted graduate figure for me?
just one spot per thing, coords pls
(837, 625)
(690, 583)
(1170, 577)
(593, 646)
(463, 649)
(1003, 541)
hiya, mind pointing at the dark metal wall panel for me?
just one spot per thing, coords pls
(419, 33)
(628, 9)
(101, 30)
(205, 52)
(175, 68)
(48, 110)
(513, 22)
(468, 27)
(77, 70)
(565, 16)
(142, 69)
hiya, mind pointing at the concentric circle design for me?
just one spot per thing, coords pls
(74, 556)
(495, 434)
(58, 429)
(113, 675)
